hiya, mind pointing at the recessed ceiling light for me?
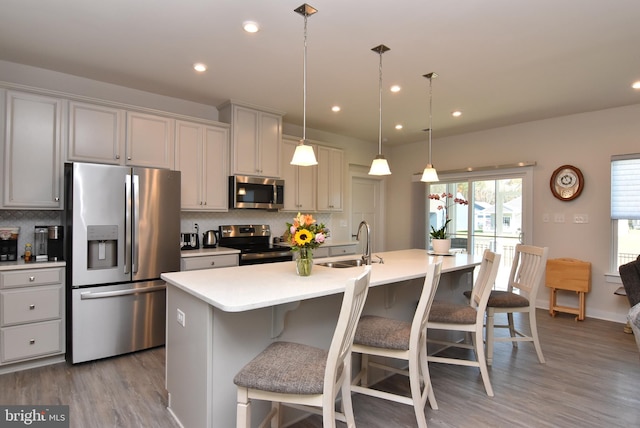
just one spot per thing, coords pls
(335, 109)
(395, 88)
(636, 85)
(250, 26)
(199, 67)
(399, 126)
(456, 113)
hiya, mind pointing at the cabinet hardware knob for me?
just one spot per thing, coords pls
(57, 199)
(128, 157)
(32, 341)
(117, 156)
(32, 307)
(32, 278)
(213, 263)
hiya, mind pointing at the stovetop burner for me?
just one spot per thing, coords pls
(253, 241)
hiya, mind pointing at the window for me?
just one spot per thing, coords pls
(625, 209)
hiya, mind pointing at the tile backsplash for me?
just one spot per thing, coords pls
(27, 220)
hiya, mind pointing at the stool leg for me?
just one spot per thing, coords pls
(243, 410)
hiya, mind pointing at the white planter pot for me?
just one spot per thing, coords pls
(441, 246)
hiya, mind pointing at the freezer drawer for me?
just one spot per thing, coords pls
(117, 319)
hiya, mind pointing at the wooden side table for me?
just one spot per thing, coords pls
(570, 275)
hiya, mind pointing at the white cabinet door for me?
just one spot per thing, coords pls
(300, 181)
(201, 157)
(96, 133)
(256, 137)
(150, 140)
(32, 169)
(330, 178)
(215, 172)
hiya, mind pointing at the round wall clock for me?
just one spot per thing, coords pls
(566, 182)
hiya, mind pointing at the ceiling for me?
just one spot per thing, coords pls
(499, 61)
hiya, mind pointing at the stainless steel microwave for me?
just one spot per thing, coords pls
(256, 192)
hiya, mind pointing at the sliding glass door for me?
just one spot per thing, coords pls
(497, 217)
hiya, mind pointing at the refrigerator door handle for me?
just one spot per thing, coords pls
(127, 224)
(102, 294)
(136, 222)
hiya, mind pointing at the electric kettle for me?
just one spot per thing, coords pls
(210, 239)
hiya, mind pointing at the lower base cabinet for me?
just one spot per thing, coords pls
(32, 314)
(208, 262)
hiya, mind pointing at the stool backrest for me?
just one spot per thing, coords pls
(630, 276)
(355, 295)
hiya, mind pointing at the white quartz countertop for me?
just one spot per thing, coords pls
(201, 252)
(243, 288)
(4, 266)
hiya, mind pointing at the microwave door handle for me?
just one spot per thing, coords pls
(136, 222)
(275, 194)
(127, 224)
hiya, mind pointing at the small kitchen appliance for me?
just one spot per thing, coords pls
(210, 239)
(9, 244)
(189, 241)
(41, 238)
(55, 243)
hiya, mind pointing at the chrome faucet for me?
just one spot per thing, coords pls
(366, 253)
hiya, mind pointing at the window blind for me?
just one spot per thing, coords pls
(625, 187)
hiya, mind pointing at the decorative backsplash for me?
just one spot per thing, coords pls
(27, 221)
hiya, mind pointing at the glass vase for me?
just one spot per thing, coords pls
(304, 262)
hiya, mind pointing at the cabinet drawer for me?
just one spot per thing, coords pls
(208, 262)
(342, 250)
(25, 278)
(321, 252)
(31, 304)
(30, 340)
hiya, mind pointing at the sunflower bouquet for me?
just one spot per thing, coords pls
(304, 234)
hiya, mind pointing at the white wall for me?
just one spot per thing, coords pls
(586, 141)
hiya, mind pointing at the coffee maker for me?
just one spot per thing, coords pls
(48, 243)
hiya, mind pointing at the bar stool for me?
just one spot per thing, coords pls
(384, 337)
(304, 376)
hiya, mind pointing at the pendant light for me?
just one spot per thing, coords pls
(429, 174)
(304, 155)
(380, 166)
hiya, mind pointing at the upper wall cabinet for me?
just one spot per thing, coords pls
(300, 188)
(201, 156)
(256, 136)
(32, 163)
(330, 178)
(110, 135)
(96, 134)
(150, 140)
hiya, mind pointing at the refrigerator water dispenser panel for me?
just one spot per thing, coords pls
(102, 247)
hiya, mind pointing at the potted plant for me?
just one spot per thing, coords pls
(440, 241)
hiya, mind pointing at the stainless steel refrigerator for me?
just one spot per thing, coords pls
(123, 231)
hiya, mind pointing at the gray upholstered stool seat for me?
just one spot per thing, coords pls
(383, 332)
(452, 313)
(286, 368)
(504, 299)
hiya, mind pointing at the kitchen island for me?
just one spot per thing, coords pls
(218, 320)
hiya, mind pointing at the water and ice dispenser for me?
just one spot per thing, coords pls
(102, 246)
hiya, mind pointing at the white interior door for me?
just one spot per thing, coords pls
(366, 205)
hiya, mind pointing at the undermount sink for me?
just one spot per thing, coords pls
(343, 263)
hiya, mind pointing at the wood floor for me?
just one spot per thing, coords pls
(591, 379)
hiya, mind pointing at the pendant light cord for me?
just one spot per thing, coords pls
(430, 116)
(304, 84)
(380, 107)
